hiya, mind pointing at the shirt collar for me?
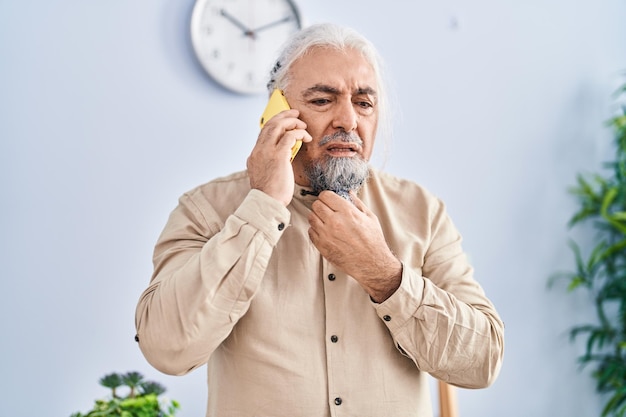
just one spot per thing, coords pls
(306, 195)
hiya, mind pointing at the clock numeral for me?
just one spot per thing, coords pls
(215, 54)
(208, 30)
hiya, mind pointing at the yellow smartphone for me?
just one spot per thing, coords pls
(275, 105)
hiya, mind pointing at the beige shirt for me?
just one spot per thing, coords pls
(238, 285)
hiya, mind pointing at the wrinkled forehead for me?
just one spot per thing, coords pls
(335, 70)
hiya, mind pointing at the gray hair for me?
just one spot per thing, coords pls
(341, 38)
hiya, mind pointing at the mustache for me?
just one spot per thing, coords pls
(341, 136)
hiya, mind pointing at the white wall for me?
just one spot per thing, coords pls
(106, 118)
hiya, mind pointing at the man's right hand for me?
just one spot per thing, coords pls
(268, 165)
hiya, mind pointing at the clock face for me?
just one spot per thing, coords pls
(237, 41)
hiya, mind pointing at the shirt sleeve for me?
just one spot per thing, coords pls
(440, 317)
(206, 274)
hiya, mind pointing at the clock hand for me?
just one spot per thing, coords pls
(228, 16)
(269, 25)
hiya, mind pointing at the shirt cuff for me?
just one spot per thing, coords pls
(401, 307)
(265, 213)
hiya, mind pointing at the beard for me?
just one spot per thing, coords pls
(338, 174)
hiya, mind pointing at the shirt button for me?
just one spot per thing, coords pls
(387, 317)
(338, 401)
(331, 277)
(334, 339)
(281, 226)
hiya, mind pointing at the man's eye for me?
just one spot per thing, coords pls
(365, 107)
(320, 101)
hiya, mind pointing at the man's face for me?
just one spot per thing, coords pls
(334, 91)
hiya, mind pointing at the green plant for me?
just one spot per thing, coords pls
(602, 272)
(142, 399)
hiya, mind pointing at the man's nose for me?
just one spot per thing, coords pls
(345, 117)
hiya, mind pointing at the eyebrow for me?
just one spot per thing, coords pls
(323, 88)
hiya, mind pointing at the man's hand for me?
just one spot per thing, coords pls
(349, 235)
(268, 165)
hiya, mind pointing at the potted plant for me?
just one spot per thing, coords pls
(141, 399)
(602, 272)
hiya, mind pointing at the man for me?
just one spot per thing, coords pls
(322, 287)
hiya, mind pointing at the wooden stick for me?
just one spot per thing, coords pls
(447, 400)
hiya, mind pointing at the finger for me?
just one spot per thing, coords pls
(313, 235)
(321, 211)
(278, 125)
(280, 136)
(314, 221)
(288, 141)
(335, 201)
(292, 136)
(358, 203)
(286, 120)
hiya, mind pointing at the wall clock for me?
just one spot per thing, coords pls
(236, 41)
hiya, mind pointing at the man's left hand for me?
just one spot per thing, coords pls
(349, 236)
